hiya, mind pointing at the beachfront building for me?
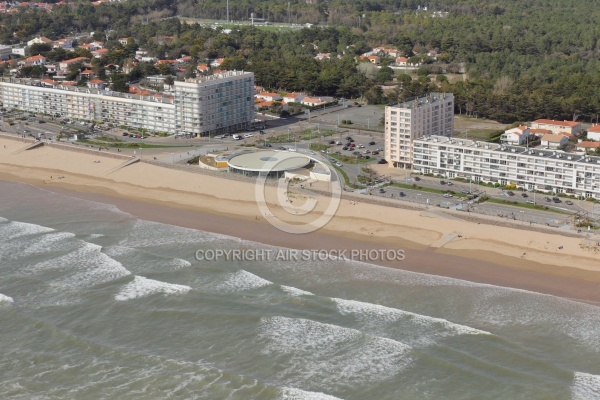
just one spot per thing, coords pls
(201, 106)
(431, 114)
(544, 170)
(571, 127)
(217, 103)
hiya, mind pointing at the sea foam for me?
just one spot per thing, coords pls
(318, 355)
(585, 386)
(297, 394)
(142, 287)
(242, 280)
(424, 329)
(6, 299)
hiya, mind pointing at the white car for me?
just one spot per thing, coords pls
(312, 153)
(247, 135)
(339, 164)
(292, 149)
(448, 195)
(360, 146)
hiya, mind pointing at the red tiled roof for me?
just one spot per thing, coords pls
(555, 122)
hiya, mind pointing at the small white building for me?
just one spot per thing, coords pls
(554, 141)
(268, 96)
(515, 136)
(293, 97)
(20, 51)
(594, 133)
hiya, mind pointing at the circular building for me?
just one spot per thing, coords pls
(272, 163)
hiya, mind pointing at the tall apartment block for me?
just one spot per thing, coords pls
(215, 103)
(431, 114)
(218, 103)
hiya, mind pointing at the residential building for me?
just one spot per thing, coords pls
(574, 128)
(515, 136)
(588, 146)
(5, 52)
(431, 114)
(100, 53)
(531, 169)
(39, 40)
(215, 103)
(322, 56)
(552, 141)
(209, 104)
(64, 65)
(293, 97)
(268, 96)
(315, 101)
(593, 133)
(33, 60)
(401, 61)
(20, 51)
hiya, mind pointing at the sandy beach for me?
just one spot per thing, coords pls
(436, 244)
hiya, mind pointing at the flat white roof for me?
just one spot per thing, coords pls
(269, 161)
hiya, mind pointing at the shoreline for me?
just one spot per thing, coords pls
(487, 259)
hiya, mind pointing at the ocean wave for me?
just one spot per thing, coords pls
(242, 280)
(293, 291)
(149, 234)
(6, 299)
(142, 287)
(585, 386)
(146, 261)
(297, 394)
(28, 246)
(316, 355)
(83, 267)
(15, 229)
(424, 329)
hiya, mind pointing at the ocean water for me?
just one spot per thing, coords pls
(96, 304)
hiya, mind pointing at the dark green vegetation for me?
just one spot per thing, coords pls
(523, 59)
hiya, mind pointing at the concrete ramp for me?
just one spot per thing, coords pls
(30, 146)
(123, 165)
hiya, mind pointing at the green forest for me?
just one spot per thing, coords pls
(522, 60)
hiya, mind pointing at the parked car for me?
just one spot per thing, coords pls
(360, 146)
(268, 145)
(569, 202)
(345, 148)
(530, 202)
(339, 164)
(382, 161)
(448, 195)
(510, 193)
(548, 199)
(292, 149)
(338, 142)
(356, 153)
(524, 195)
(375, 152)
(262, 132)
(351, 140)
(449, 183)
(556, 199)
(381, 190)
(351, 145)
(465, 191)
(442, 182)
(248, 135)
(371, 143)
(125, 134)
(401, 194)
(348, 137)
(417, 178)
(367, 151)
(332, 142)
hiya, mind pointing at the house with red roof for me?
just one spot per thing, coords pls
(99, 53)
(268, 96)
(588, 146)
(96, 84)
(572, 127)
(64, 65)
(593, 133)
(33, 60)
(293, 97)
(39, 40)
(515, 136)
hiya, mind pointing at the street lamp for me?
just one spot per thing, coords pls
(173, 159)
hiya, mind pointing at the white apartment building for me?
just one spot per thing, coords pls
(431, 114)
(222, 102)
(544, 170)
(215, 103)
(149, 112)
